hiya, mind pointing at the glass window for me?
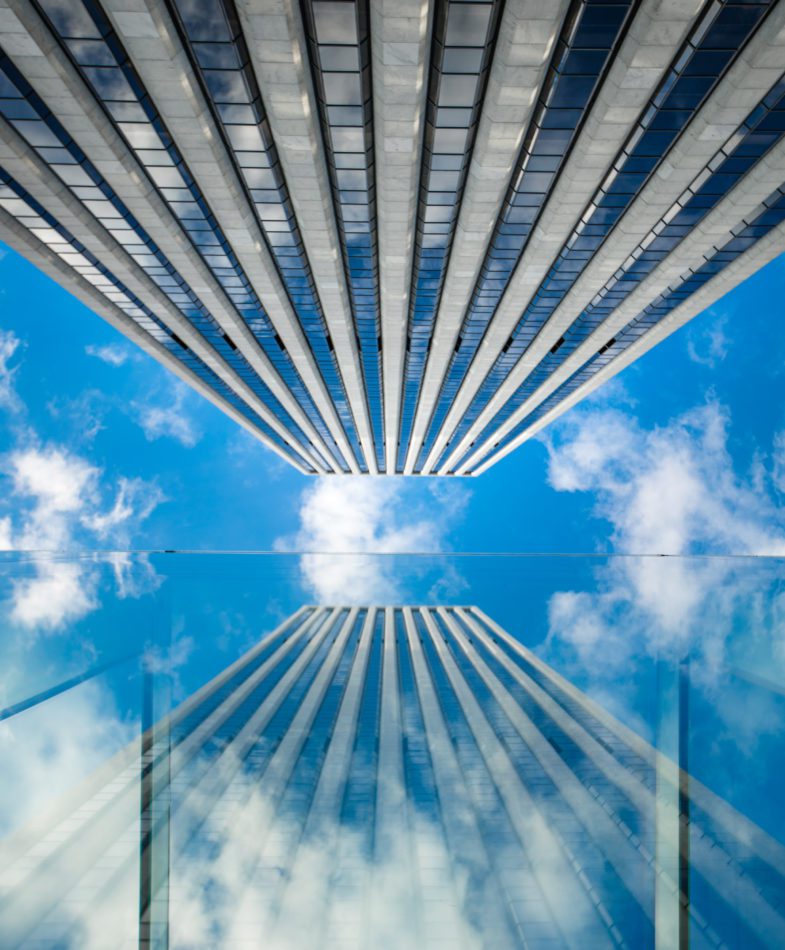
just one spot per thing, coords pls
(36, 132)
(457, 60)
(71, 18)
(141, 135)
(347, 139)
(467, 24)
(339, 58)
(204, 21)
(345, 115)
(109, 83)
(245, 137)
(217, 55)
(335, 22)
(449, 140)
(226, 85)
(91, 52)
(457, 90)
(453, 118)
(342, 89)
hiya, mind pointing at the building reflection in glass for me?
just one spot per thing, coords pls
(394, 777)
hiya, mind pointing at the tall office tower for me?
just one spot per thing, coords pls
(393, 777)
(394, 236)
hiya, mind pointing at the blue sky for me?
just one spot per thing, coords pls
(101, 448)
(74, 385)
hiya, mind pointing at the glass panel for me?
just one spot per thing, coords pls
(416, 773)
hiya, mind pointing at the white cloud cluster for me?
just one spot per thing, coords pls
(671, 490)
(169, 420)
(54, 500)
(346, 523)
(113, 354)
(708, 343)
(58, 502)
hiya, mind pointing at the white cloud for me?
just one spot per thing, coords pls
(344, 521)
(58, 502)
(169, 420)
(115, 354)
(708, 345)
(55, 486)
(670, 490)
(59, 593)
(48, 751)
(83, 416)
(135, 500)
(9, 344)
(778, 462)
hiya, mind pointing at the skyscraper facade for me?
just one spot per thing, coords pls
(402, 777)
(394, 236)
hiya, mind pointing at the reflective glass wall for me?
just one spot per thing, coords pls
(305, 750)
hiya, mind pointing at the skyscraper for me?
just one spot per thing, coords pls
(395, 236)
(392, 777)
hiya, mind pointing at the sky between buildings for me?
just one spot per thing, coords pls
(103, 448)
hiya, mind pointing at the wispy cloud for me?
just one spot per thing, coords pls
(169, 420)
(9, 345)
(362, 517)
(708, 343)
(115, 354)
(84, 416)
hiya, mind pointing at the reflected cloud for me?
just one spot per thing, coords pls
(59, 593)
(48, 749)
(371, 516)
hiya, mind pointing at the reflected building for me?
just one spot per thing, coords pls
(394, 236)
(392, 777)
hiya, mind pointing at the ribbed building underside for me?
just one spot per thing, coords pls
(392, 777)
(393, 236)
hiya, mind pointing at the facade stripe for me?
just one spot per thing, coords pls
(400, 41)
(220, 58)
(94, 49)
(392, 238)
(24, 209)
(340, 61)
(759, 134)
(713, 44)
(463, 42)
(765, 218)
(43, 134)
(583, 52)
